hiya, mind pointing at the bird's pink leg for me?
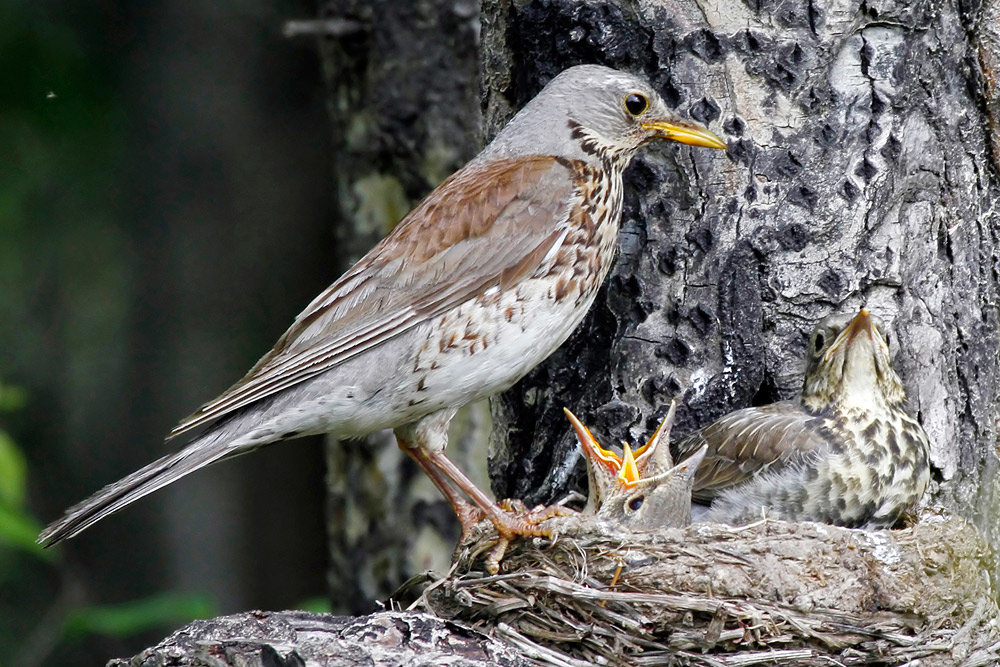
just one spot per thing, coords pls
(510, 522)
(468, 514)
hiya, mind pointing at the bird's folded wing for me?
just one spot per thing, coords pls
(488, 226)
(749, 441)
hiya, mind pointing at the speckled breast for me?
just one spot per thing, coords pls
(488, 343)
(878, 468)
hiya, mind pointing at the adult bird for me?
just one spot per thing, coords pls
(846, 452)
(473, 288)
(641, 490)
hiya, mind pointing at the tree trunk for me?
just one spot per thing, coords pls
(402, 85)
(858, 174)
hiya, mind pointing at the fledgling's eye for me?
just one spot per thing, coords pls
(636, 103)
(635, 503)
(819, 340)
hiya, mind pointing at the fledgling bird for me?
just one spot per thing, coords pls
(643, 490)
(478, 284)
(846, 452)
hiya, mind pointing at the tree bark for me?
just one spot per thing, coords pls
(298, 638)
(858, 174)
(402, 91)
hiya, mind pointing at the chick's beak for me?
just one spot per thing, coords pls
(693, 135)
(629, 473)
(862, 323)
(591, 449)
(662, 434)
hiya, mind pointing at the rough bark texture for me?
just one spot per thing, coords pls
(858, 173)
(988, 38)
(402, 84)
(298, 638)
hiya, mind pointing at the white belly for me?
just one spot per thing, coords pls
(487, 344)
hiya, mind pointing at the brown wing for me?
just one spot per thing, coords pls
(488, 225)
(748, 441)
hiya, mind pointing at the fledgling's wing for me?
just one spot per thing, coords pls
(748, 441)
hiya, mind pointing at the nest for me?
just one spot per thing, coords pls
(768, 593)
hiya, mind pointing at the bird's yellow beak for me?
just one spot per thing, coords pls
(591, 448)
(623, 468)
(862, 323)
(647, 450)
(629, 473)
(692, 135)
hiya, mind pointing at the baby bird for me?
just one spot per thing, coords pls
(641, 490)
(846, 452)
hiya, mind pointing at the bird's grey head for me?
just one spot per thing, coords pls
(590, 112)
(848, 364)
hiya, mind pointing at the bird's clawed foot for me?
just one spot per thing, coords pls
(512, 518)
(468, 516)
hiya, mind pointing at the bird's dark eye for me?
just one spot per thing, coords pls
(636, 103)
(635, 503)
(818, 341)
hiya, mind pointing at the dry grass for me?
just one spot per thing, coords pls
(771, 593)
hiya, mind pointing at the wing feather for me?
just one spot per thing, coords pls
(748, 441)
(489, 225)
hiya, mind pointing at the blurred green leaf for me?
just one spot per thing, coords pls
(19, 530)
(130, 618)
(11, 398)
(13, 473)
(317, 605)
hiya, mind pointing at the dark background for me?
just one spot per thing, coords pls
(165, 213)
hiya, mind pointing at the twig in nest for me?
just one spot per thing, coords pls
(780, 593)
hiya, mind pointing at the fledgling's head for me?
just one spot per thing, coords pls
(641, 490)
(848, 364)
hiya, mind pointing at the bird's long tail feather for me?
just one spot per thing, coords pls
(198, 454)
